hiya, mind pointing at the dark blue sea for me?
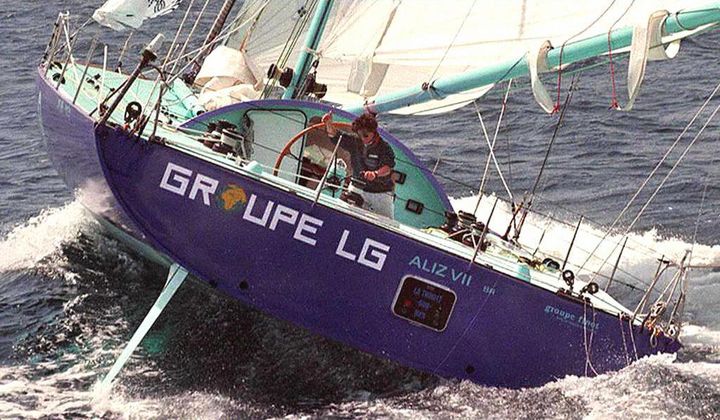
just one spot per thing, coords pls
(71, 295)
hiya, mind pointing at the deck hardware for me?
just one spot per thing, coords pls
(148, 55)
(93, 45)
(572, 242)
(617, 263)
(398, 177)
(591, 288)
(569, 277)
(483, 234)
(414, 206)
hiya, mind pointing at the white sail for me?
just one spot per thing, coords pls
(375, 47)
(130, 14)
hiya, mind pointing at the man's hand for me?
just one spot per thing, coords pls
(369, 175)
(327, 119)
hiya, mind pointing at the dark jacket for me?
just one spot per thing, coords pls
(368, 158)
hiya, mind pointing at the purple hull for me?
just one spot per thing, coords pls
(70, 139)
(502, 331)
(338, 277)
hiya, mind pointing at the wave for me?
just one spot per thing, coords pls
(640, 256)
(41, 235)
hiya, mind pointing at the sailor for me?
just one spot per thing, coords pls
(372, 161)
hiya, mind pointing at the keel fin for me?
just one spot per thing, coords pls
(176, 277)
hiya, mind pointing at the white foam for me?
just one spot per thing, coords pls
(41, 235)
(700, 335)
(646, 389)
(639, 257)
(51, 396)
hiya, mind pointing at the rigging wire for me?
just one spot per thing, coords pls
(491, 146)
(614, 102)
(192, 32)
(562, 49)
(560, 120)
(508, 156)
(171, 49)
(199, 51)
(656, 168)
(679, 308)
(672, 169)
(697, 221)
(554, 136)
(447, 50)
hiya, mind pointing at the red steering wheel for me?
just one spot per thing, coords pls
(286, 150)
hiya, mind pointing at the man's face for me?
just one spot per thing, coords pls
(366, 136)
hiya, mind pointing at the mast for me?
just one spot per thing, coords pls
(312, 40)
(685, 20)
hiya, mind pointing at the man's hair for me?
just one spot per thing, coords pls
(365, 122)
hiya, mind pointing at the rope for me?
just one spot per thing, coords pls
(588, 341)
(614, 102)
(562, 49)
(622, 331)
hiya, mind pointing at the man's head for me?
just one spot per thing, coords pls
(366, 127)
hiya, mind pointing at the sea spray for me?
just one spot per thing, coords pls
(41, 235)
(639, 259)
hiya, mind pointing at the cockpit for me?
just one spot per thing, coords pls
(287, 139)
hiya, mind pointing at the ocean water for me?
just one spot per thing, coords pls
(71, 295)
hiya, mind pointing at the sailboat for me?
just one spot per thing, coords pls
(227, 173)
